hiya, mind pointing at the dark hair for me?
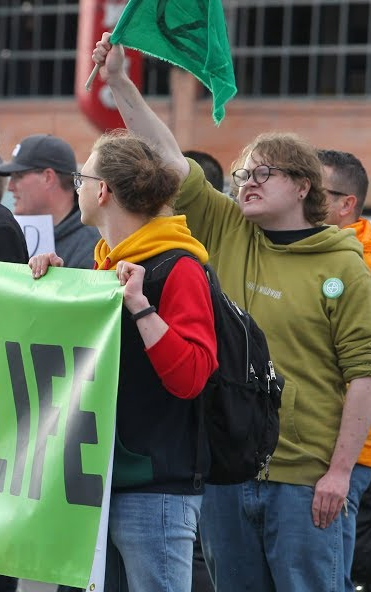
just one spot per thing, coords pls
(350, 174)
(135, 172)
(66, 181)
(299, 159)
(212, 167)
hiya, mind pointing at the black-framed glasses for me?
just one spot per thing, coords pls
(336, 193)
(78, 178)
(260, 174)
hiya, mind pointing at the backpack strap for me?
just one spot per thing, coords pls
(161, 265)
(157, 267)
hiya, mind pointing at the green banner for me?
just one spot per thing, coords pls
(59, 361)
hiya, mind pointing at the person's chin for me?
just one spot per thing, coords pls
(85, 220)
(252, 211)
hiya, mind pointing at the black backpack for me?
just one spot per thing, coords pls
(361, 568)
(238, 412)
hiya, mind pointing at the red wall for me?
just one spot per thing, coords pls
(340, 125)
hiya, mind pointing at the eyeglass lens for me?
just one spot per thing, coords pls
(77, 180)
(260, 174)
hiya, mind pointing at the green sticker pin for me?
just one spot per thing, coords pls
(333, 288)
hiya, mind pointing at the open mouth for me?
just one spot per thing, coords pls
(251, 197)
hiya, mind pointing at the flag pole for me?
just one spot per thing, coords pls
(93, 74)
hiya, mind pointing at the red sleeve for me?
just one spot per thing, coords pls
(186, 355)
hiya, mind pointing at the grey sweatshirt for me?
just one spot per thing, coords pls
(75, 242)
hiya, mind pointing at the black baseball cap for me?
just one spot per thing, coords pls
(40, 151)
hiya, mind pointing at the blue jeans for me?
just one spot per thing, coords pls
(116, 577)
(154, 534)
(359, 481)
(264, 539)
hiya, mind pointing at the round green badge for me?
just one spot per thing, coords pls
(333, 288)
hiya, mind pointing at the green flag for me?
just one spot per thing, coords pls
(191, 34)
(59, 361)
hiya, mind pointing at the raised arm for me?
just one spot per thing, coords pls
(135, 112)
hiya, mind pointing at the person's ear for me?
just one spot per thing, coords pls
(104, 194)
(349, 203)
(305, 186)
(50, 176)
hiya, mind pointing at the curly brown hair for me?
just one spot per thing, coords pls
(136, 174)
(299, 159)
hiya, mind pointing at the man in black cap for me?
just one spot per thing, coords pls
(41, 182)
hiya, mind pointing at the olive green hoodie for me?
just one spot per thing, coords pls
(319, 339)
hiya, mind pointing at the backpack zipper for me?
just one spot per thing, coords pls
(264, 466)
(267, 463)
(235, 309)
(272, 371)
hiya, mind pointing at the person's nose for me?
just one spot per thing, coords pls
(11, 184)
(251, 181)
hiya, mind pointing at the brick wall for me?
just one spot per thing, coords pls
(340, 125)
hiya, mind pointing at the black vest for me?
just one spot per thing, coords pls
(156, 437)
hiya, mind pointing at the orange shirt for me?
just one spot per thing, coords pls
(363, 233)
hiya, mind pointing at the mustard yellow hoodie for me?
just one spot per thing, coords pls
(319, 334)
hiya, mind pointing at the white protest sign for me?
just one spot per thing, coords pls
(38, 232)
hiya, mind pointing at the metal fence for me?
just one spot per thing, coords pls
(281, 48)
(37, 47)
(301, 47)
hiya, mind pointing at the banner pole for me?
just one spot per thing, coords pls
(93, 74)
